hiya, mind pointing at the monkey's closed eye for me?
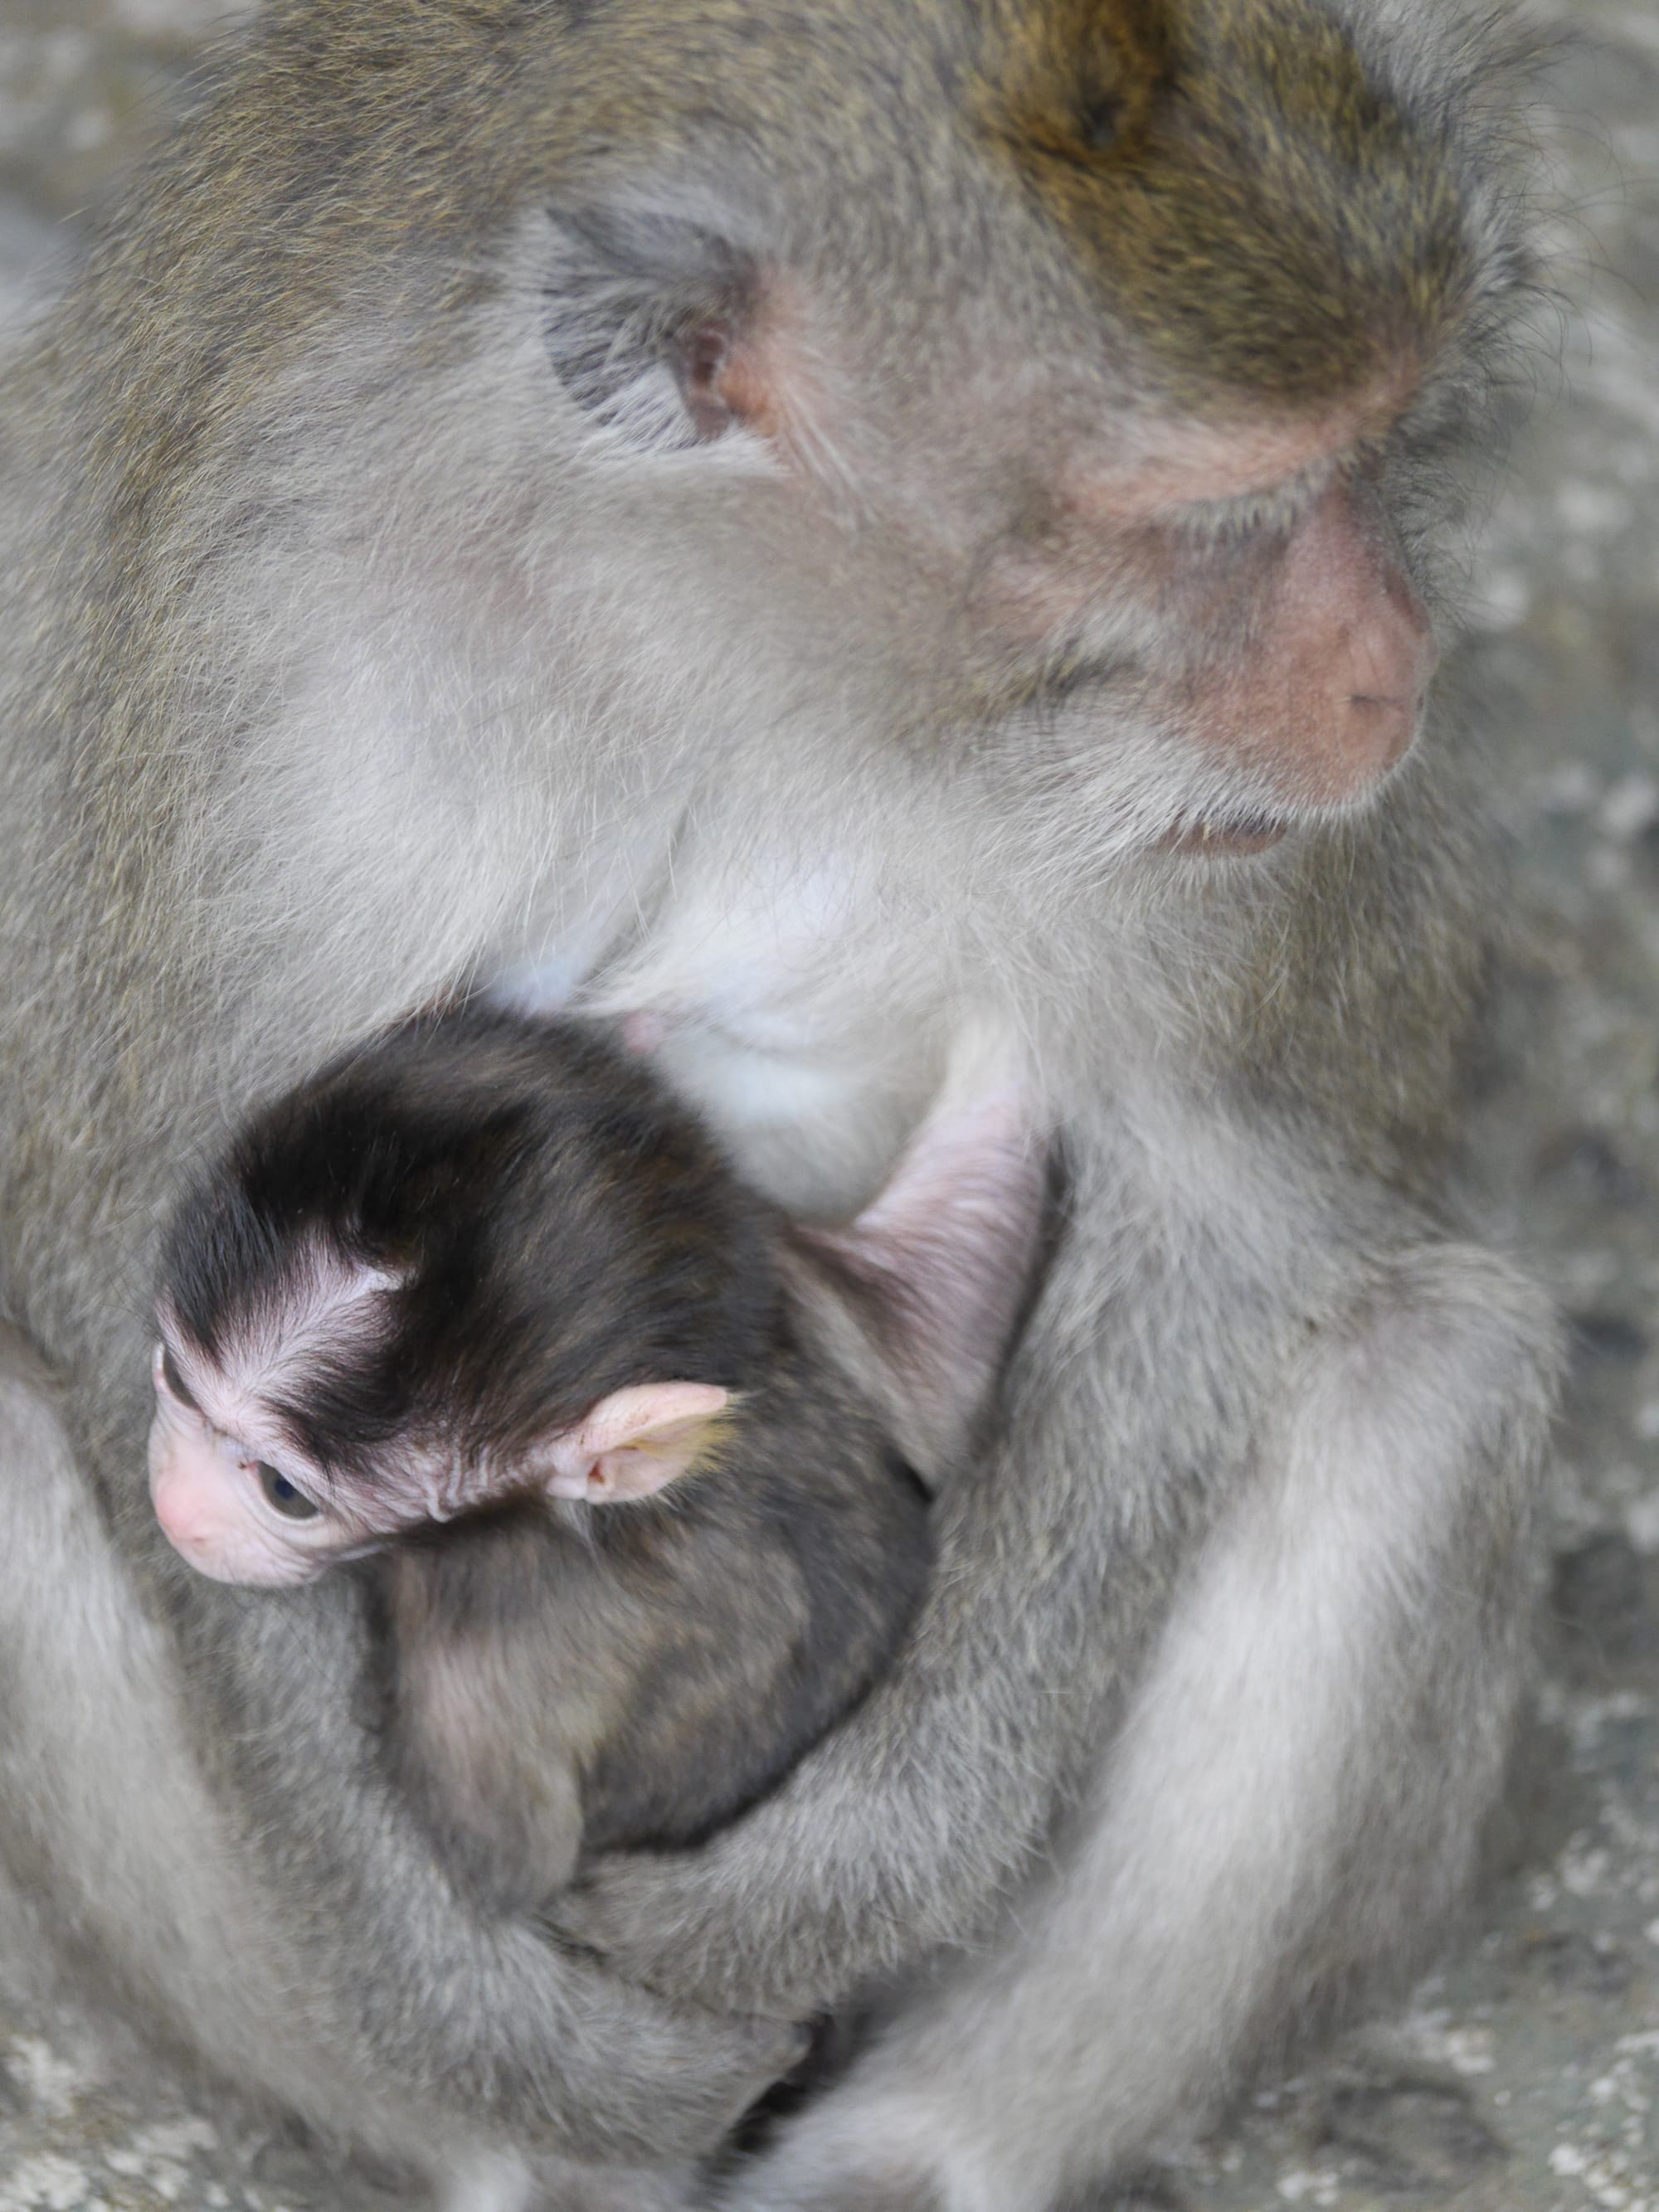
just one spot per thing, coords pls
(292, 1504)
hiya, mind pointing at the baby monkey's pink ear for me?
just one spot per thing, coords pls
(635, 1442)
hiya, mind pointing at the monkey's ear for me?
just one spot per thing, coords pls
(636, 1442)
(652, 320)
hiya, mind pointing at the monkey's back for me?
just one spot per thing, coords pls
(641, 1673)
(780, 1585)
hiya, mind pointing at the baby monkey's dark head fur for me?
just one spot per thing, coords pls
(545, 1229)
(491, 1259)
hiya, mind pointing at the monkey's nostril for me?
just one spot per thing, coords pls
(1379, 728)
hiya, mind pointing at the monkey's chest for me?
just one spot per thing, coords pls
(808, 1035)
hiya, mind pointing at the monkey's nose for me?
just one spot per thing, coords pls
(1392, 656)
(1359, 635)
(184, 1526)
(185, 1486)
(198, 1536)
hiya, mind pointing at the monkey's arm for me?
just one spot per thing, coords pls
(470, 2007)
(409, 1984)
(891, 1838)
(899, 1832)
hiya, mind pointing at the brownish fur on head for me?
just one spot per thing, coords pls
(1250, 198)
(1257, 203)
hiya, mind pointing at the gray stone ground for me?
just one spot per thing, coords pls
(1524, 2076)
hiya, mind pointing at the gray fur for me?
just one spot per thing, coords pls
(355, 660)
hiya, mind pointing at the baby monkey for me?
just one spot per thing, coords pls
(643, 1466)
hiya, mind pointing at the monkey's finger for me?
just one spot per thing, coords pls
(636, 1910)
(681, 2080)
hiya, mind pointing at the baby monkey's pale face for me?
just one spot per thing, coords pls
(238, 1499)
(232, 1512)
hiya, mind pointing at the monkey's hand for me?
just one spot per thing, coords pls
(897, 1833)
(605, 2071)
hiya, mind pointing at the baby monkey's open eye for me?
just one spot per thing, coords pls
(292, 1504)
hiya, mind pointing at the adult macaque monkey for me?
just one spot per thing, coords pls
(779, 519)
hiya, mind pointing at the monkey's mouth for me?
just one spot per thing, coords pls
(1230, 838)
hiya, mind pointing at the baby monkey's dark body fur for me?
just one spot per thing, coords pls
(558, 1676)
(671, 1660)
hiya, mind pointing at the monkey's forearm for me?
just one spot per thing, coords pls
(896, 1834)
(562, 2054)
(903, 1830)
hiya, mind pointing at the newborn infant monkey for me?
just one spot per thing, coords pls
(645, 1463)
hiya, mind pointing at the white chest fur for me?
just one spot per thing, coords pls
(751, 991)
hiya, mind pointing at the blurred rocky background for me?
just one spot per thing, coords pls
(1524, 2076)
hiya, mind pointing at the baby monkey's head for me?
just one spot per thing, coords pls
(243, 1492)
(477, 1261)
